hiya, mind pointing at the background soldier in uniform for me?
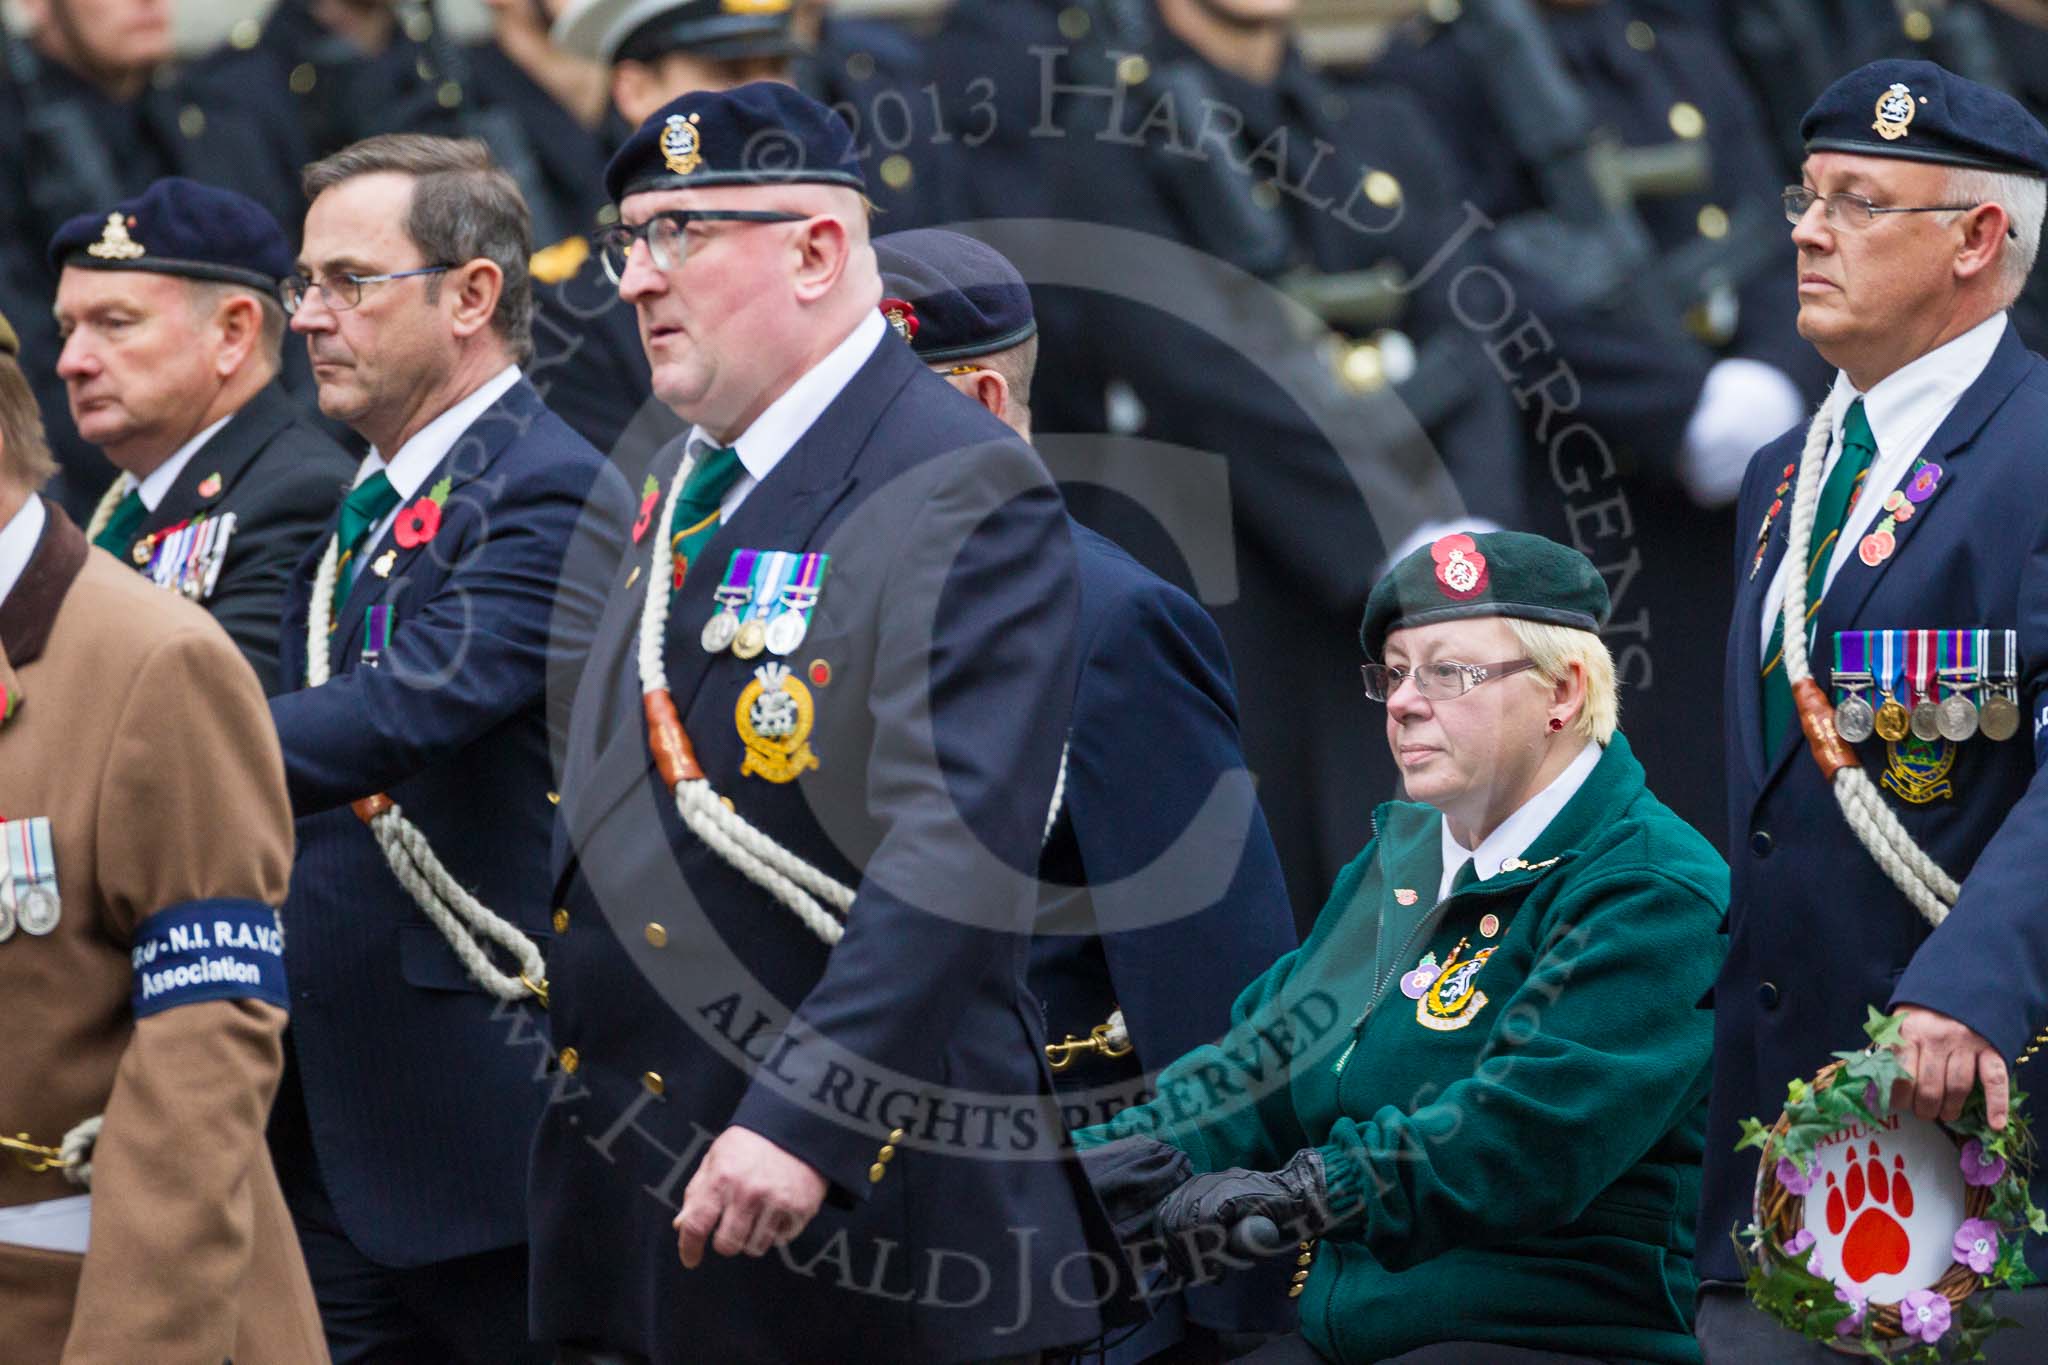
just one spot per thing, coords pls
(91, 112)
(139, 959)
(173, 338)
(420, 629)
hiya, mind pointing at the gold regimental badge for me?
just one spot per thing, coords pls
(115, 244)
(756, 6)
(682, 150)
(1895, 109)
(775, 714)
(1452, 1001)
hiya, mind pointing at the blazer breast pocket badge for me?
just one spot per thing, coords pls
(28, 878)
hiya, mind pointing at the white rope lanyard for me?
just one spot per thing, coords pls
(460, 916)
(810, 893)
(104, 513)
(1931, 890)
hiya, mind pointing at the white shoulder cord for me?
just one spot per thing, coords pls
(104, 513)
(762, 861)
(1930, 889)
(460, 916)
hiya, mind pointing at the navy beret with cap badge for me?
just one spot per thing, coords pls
(952, 297)
(1493, 573)
(1918, 111)
(761, 133)
(179, 227)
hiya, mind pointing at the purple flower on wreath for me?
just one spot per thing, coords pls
(1924, 479)
(1792, 1178)
(1977, 1244)
(1980, 1168)
(1857, 1301)
(1817, 1266)
(1800, 1241)
(1924, 1315)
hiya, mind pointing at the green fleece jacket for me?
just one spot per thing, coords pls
(1515, 1140)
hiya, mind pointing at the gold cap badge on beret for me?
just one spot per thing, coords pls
(1895, 110)
(115, 244)
(902, 317)
(681, 147)
(755, 6)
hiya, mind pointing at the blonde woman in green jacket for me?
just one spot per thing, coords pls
(1472, 1102)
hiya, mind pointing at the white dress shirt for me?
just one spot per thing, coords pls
(18, 542)
(1512, 837)
(164, 475)
(783, 422)
(420, 456)
(1904, 408)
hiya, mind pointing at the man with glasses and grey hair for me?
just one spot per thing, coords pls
(424, 631)
(1921, 603)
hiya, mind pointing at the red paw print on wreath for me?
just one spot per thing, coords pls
(1873, 1204)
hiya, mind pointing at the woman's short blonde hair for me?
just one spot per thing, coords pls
(1555, 649)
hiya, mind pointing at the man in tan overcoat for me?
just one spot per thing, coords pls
(145, 839)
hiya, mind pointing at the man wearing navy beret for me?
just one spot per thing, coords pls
(807, 1111)
(1922, 608)
(173, 336)
(1155, 908)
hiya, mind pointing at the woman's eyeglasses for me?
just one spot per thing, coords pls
(1437, 681)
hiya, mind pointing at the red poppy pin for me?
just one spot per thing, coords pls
(210, 486)
(421, 522)
(902, 317)
(1460, 568)
(650, 494)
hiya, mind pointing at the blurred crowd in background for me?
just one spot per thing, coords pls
(1397, 265)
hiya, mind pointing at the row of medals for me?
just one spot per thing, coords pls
(746, 640)
(1954, 718)
(36, 912)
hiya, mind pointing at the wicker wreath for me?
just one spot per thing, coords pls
(1780, 1214)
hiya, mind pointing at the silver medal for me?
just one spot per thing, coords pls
(786, 632)
(1926, 721)
(6, 919)
(39, 911)
(1957, 718)
(719, 630)
(1854, 719)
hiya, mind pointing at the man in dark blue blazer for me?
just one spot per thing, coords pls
(438, 614)
(1915, 233)
(807, 780)
(1160, 894)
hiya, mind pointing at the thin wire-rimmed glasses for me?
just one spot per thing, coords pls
(342, 291)
(1437, 681)
(666, 236)
(1850, 211)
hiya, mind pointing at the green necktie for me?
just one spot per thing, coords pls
(696, 520)
(365, 506)
(1465, 876)
(119, 533)
(1837, 496)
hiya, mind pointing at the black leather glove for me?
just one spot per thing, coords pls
(1196, 1219)
(1131, 1176)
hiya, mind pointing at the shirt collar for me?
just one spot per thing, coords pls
(18, 539)
(1512, 838)
(422, 455)
(783, 423)
(1906, 405)
(159, 480)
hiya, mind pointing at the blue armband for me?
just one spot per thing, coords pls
(208, 950)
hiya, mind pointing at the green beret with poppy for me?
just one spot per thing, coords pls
(1494, 573)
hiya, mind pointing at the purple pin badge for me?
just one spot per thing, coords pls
(1924, 481)
(1416, 984)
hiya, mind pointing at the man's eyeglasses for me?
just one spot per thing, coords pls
(667, 237)
(1851, 211)
(342, 291)
(1437, 681)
